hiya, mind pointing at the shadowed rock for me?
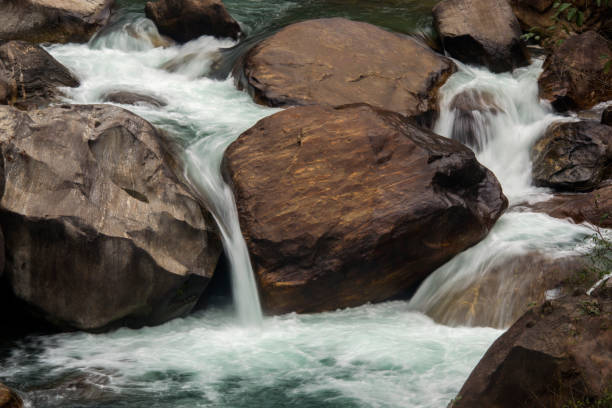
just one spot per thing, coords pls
(32, 75)
(606, 116)
(99, 231)
(337, 61)
(185, 20)
(481, 32)
(344, 206)
(56, 21)
(574, 74)
(573, 156)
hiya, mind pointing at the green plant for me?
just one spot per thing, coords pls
(604, 402)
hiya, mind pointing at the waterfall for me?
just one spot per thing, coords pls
(203, 171)
(500, 117)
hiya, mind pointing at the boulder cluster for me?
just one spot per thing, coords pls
(345, 197)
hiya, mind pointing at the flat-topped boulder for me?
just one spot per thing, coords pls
(186, 20)
(32, 77)
(133, 98)
(337, 62)
(575, 75)
(573, 156)
(99, 231)
(345, 206)
(52, 20)
(481, 32)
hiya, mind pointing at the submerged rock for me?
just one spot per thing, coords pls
(185, 20)
(9, 399)
(32, 75)
(594, 207)
(337, 62)
(556, 355)
(504, 291)
(473, 110)
(133, 98)
(481, 32)
(574, 75)
(345, 206)
(58, 21)
(99, 231)
(575, 156)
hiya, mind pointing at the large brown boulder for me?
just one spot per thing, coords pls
(185, 20)
(9, 399)
(32, 75)
(344, 206)
(504, 291)
(574, 75)
(557, 355)
(594, 207)
(481, 32)
(344, 62)
(52, 20)
(575, 156)
(99, 231)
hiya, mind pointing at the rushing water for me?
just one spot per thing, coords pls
(385, 355)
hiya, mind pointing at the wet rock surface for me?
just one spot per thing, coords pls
(8, 398)
(60, 21)
(99, 231)
(506, 290)
(594, 207)
(31, 75)
(344, 206)
(481, 32)
(133, 98)
(575, 156)
(386, 70)
(574, 75)
(606, 116)
(185, 20)
(558, 354)
(473, 111)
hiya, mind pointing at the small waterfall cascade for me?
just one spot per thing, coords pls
(500, 117)
(203, 172)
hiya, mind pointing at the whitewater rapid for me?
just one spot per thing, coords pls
(387, 355)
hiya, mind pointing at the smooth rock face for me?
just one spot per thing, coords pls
(574, 75)
(52, 20)
(185, 20)
(505, 291)
(481, 32)
(99, 231)
(344, 206)
(594, 207)
(555, 355)
(8, 398)
(32, 75)
(344, 62)
(132, 98)
(573, 156)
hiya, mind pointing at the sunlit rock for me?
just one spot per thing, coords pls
(99, 231)
(345, 206)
